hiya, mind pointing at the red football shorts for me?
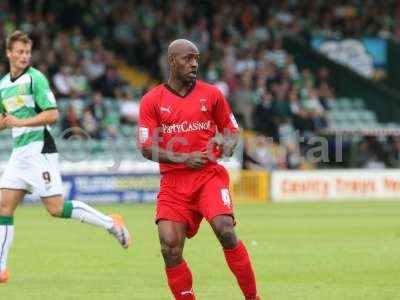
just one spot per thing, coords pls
(187, 197)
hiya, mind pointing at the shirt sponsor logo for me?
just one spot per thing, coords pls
(13, 103)
(185, 126)
(19, 101)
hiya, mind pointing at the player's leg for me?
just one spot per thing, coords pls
(236, 255)
(216, 206)
(9, 199)
(48, 184)
(172, 237)
(57, 207)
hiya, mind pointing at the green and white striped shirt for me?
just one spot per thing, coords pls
(25, 97)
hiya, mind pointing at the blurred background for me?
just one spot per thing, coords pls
(315, 87)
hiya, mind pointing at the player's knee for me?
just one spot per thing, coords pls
(3, 205)
(171, 250)
(5, 208)
(171, 253)
(227, 237)
(54, 210)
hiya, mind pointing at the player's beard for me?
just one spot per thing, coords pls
(183, 77)
(186, 80)
(190, 79)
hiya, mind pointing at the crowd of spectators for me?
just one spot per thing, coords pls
(80, 68)
(378, 152)
(355, 19)
(226, 26)
(241, 45)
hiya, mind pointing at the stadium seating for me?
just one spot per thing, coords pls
(347, 113)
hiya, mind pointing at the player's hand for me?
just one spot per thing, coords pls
(10, 121)
(196, 160)
(228, 148)
(223, 148)
(229, 143)
(216, 150)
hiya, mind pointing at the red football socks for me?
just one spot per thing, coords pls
(180, 281)
(239, 262)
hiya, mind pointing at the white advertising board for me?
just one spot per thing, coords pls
(329, 185)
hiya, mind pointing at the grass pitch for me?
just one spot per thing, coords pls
(304, 251)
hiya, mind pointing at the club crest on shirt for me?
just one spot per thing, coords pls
(203, 104)
(22, 89)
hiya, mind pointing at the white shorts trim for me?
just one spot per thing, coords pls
(37, 173)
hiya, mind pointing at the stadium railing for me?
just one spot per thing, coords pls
(249, 186)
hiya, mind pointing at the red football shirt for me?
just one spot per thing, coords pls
(183, 124)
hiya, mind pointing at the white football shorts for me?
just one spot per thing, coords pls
(37, 173)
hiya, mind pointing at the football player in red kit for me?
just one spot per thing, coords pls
(178, 122)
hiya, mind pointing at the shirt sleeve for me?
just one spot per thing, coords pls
(148, 124)
(223, 114)
(2, 109)
(42, 93)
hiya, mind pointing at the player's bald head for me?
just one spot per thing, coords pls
(183, 60)
(181, 46)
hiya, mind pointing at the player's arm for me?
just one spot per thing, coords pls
(227, 125)
(42, 119)
(45, 101)
(229, 143)
(2, 115)
(194, 160)
(2, 125)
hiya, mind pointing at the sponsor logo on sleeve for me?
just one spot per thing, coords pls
(51, 97)
(226, 199)
(233, 120)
